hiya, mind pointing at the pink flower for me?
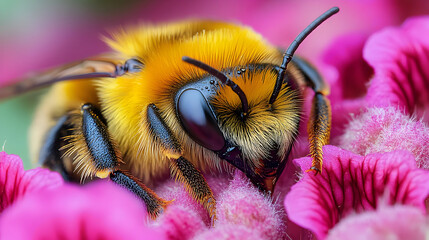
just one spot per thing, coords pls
(352, 184)
(35, 204)
(399, 57)
(15, 183)
(347, 73)
(98, 211)
(184, 217)
(242, 212)
(243, 205)
(387, 222)
(379, 130)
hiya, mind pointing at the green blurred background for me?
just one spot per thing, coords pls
(15, 118)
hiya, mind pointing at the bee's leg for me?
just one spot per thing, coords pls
(319, 125)
(154, 204)
(98, 155)
(195, 184)
(181, 168)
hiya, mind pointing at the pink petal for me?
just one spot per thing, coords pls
(400, 57)
(394, 222)
(98, 211)
(347, 74)
(15, 183)
(342, 112)
(351, 183)
(381, 130)
(351, 72)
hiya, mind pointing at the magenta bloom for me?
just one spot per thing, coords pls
(15, 183)
(387, 222)
(347, 74)
(379, 130)
(352, 183)
(35, 204)
(242, 211)
(98, 211)
(400, 59)
(245, 207)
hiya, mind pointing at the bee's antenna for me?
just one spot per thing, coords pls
(294, 45)
(223, 78)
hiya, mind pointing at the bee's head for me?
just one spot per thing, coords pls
(238, 123)
(254, 132)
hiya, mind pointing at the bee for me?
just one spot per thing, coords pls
(180, 99)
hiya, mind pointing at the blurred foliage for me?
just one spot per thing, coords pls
(106, 7)
(15, 118)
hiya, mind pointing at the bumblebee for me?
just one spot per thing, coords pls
(181, 98)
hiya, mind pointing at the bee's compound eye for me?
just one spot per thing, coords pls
(133, 65)
(198, 120)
